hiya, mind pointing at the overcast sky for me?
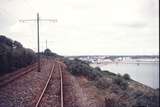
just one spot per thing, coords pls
(85, 27)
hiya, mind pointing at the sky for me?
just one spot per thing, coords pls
(84, 27)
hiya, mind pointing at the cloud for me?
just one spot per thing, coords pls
(85, 26)
(5, 20)
(133, 25)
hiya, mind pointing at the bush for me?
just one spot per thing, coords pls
(103, 83)
(13, 55)
(150, 101)
(119, 80)
(49, 54)
(98, 68)
(108, 73)
(78, 67)
(126, 77)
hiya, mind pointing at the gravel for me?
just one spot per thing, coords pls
(51, 97)
(23, 92)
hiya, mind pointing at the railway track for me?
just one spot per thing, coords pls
(54, 82)
(2, 78)
(6, 79)
(12, 77)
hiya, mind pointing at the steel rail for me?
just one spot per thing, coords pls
(6, 79)
(61, 63)
(6, 76)
(50, 75)
(61, 75)
(11, 79)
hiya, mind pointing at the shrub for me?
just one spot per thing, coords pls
(49, 54)
(103, 83)
(126, 76)
(144, 99)
(98, 68)
(119, 80)
(78, 67)
(13, 55)
(108, 73)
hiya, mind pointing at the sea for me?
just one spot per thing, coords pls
(145, 73)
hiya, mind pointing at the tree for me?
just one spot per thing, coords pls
(13, 56)
(17, 44)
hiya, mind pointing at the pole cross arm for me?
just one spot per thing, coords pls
(51, 20)
(29, 20)
(38, 20)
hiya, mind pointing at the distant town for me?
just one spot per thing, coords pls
(103, 59)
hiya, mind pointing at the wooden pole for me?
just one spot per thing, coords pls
(38, 42)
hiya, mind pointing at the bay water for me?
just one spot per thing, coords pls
(145, 73)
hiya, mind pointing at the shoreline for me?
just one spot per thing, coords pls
(145, 62)
(127, 69)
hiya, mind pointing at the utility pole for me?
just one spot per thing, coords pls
(39, 69)
(46, 44)
(38, 20)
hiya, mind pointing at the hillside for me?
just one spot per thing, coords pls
(115, 90)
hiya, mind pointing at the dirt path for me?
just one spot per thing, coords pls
(74, 94)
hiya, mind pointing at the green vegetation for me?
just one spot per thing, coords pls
(150, 101)
(103, 83)
(115, 86)
(119, 80)
(13, 55)
(108, 73)
(126, 77)
(78, 67)
(50, 54)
